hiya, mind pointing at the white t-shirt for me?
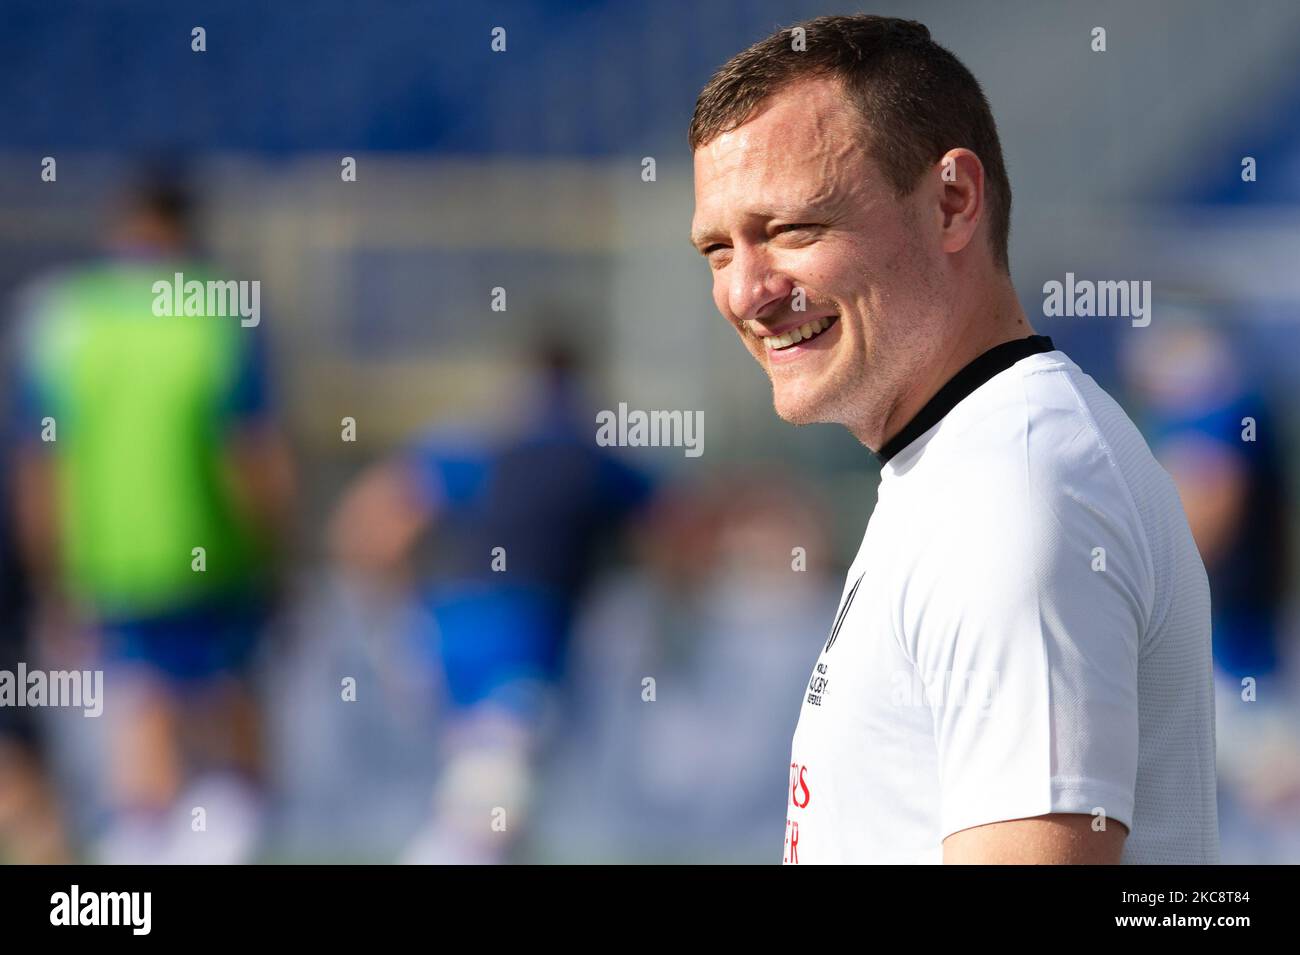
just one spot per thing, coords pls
(1025, 630)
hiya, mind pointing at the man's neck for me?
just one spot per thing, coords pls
(971, 337)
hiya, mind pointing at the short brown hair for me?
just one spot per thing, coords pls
(917, 100)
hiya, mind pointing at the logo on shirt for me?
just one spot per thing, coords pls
(800, 796)
(844, 612)
(817, 684)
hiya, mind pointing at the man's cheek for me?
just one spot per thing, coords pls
(751, 341)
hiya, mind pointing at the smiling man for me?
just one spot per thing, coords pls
(1019, 669)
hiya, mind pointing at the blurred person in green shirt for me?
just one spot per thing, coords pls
(152, 488)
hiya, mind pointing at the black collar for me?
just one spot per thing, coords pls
(996, 359)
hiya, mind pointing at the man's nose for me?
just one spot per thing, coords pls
(756, 289)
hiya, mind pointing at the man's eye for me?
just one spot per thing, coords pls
(795, 227)
(714, 256)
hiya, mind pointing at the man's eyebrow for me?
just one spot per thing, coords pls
(700, 239)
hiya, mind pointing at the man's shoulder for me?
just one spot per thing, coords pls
(1034, 457)
(1030, 428)
(1022, 512)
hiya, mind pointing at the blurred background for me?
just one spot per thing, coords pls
(430, 594)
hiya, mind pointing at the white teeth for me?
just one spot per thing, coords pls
(804, 332)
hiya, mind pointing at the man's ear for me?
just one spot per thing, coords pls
(961, 197)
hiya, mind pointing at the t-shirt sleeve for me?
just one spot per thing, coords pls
(25, 406)
(623, 488)
(249, 400)
(446, 471)
(27, 397)
(1024, 624)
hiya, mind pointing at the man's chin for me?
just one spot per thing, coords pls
(800, 407)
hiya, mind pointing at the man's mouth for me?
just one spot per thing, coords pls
(800, 334)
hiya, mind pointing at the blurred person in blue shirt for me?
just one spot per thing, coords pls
(1216, 430)
(1217, 435)
(517, 522)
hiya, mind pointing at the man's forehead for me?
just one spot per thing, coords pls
(806, 115)
(791, 158)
